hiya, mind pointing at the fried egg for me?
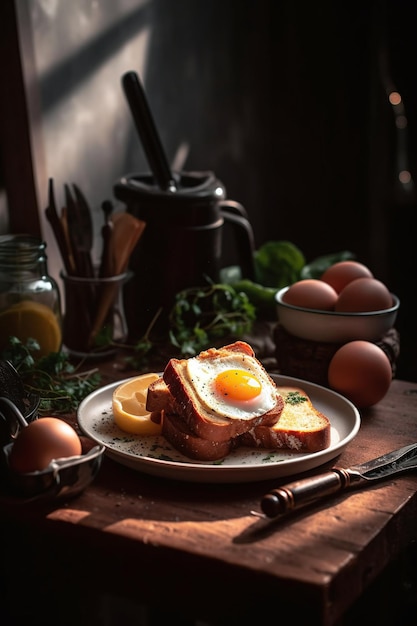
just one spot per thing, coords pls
(234, 386)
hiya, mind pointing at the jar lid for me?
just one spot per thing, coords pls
(21, 249)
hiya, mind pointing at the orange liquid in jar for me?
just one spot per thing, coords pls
(29, 298)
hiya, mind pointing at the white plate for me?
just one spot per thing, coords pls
(154, 455)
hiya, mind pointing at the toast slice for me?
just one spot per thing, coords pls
(301, 426)
(176, 431)
(293, 424)
(205, 413)
(159, 398)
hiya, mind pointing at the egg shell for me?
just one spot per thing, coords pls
(361, 371)
(311, 293)
(42, 441)
(363, 294)
(342, 273)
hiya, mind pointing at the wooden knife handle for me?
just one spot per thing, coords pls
(302, 492)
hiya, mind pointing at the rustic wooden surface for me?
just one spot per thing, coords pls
(197, 547)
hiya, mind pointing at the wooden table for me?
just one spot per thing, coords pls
(196, 551)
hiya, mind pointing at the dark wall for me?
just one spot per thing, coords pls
(288, 103)
(274, 96)
(286, 100)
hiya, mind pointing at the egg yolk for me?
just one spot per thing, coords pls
(237, 385)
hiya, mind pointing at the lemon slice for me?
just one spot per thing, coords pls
(31, 320)
(129, 406)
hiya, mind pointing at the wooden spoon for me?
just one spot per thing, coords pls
(126, 232)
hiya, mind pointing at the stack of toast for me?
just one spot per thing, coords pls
(206, 419)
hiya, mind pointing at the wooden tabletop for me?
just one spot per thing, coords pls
(198, 550)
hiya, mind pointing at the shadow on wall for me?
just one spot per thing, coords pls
(260, 93)
(278, 99)
(65, 77)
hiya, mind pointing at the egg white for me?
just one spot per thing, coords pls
(202, 374)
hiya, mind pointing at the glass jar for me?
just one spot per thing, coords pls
(30, 304)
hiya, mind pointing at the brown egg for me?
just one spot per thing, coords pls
(361, 371)
(311, 293)
(363, 294)
(341, 274)
(41, 441)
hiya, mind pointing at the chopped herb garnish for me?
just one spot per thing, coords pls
(295, 397)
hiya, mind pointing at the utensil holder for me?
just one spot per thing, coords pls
(94, 322)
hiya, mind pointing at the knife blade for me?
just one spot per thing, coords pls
(305, 491)
(79, 234)
(84, 215)
(57, 227)
(106, 262)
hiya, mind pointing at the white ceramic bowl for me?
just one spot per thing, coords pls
(332, 327)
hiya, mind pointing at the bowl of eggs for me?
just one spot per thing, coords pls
(346, 303)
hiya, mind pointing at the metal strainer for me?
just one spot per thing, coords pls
(12, 388)
(65, 477)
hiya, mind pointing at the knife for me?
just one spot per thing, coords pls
(301, 492)
(84, 215)
(106, 263)
(79, 225)
(57, 227)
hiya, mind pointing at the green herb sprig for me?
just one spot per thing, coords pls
(201, 315)
(59, 384)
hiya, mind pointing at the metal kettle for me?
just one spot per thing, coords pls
(183, 241)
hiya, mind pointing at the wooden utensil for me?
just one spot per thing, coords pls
(126, 232)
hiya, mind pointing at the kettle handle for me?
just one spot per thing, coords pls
(234, 213)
